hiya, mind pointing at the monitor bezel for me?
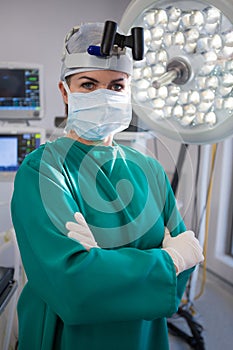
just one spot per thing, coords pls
(24, 114)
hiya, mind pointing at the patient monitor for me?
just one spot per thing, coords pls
(21, 91)
(15, 144)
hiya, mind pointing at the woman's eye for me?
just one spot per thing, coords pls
(88, 86)
(118, 87)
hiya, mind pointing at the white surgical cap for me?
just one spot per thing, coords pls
(76, 59)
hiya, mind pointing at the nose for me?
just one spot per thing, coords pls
(103, 86)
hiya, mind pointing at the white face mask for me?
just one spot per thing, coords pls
(98, 114)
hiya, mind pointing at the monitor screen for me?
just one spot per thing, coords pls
(16, 145)
(21, 95)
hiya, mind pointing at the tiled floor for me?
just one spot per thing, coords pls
(214, 311)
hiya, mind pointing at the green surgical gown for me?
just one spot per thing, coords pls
(117, 297)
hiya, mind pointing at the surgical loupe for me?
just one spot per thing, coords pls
(113, 39)
(114, 43)
(183, 88)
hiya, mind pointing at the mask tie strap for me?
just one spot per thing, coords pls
(66, 87)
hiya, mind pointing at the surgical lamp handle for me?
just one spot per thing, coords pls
(178, 72)
(165, 79)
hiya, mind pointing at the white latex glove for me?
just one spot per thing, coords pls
(81, 232)
(184, 249)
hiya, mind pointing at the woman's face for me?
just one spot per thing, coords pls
(98, 79)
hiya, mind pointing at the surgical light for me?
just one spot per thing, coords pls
(183, 88)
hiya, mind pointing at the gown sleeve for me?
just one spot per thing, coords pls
(84, 287)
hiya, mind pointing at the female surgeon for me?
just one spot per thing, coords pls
(106, 253)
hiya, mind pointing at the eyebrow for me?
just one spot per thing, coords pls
(97, 81)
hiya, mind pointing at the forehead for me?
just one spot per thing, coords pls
(101, 75)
